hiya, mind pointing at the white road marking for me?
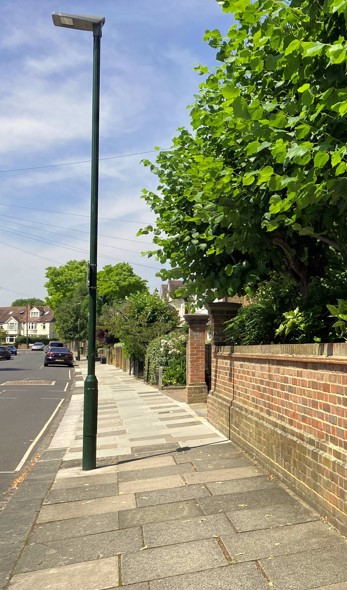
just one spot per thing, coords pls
(19, 466)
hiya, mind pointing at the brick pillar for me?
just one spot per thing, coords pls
(196, 385)
(221, 312)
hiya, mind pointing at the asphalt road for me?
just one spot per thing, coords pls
(31, 401)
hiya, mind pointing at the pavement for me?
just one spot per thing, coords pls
(172, 505)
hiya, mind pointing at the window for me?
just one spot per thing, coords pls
(43, 326)
(34, 314)
(11, 326)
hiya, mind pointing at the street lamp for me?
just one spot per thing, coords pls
(93, 24)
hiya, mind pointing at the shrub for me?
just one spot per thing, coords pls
(169, 352)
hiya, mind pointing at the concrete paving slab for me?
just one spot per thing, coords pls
(201, 464)
(233, 577)
(234, 486)
(270, 516)
(154, 472)
(178, 494)
(74, 527)
(77, 472)
(221, 475)
(163, 562)
(246, 500)
(82, 492)
(184, 530)
(75, 482)
(38, 556)
(219, 450)
(147, 463)
(293, 539)
(92, 575)
(164, 512)
(155, 483)
(309, 569)
(86, 507)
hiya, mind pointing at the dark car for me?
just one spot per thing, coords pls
(58, 355)
(11, 348)
(5, 354)
(55, 344)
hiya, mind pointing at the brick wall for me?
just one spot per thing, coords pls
(287, 405)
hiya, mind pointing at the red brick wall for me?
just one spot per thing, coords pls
(288, 407)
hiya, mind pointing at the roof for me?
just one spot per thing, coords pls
(21, 316)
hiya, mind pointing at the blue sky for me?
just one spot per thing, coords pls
(148, 53)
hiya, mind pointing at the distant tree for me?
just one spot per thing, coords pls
(29, 301)
(117, 282)
(72, 315)
(64, 280)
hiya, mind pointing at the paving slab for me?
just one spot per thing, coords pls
(154, 472)
(86, 507)
(309, 569)
(74, 527)
(164, 512)
(246, 500)
(163, 562)
(75, 482)
(233, 577)
(184, 530)
(285, 540)
(247, 484)
(174, 494)
(83, 492)
(270, 516)
(146, 463)
(221, 474)
(90, 575)
(38, 556)
(158, 483)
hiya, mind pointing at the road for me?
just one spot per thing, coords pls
(31, 397)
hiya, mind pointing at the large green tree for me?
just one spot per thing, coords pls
(64, 280)
(117, 282)
(258, 185)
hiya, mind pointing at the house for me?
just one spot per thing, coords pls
(31, 321)
(167, 293)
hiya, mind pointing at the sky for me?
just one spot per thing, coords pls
(148, 53)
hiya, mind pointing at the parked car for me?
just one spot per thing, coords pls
(38, 346)
(58, 355)
(55, 344)
(12, 348)
(4, 353)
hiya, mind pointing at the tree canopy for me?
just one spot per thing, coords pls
(258, 184)
(64, 280)
(117, 282)
(29, 301)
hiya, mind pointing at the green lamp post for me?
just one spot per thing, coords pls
(93, 24)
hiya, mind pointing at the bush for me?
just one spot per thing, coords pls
(169, 352)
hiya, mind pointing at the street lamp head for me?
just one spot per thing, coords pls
(83, 22)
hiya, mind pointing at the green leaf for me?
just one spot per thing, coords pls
(303, 88)
(336, 53)
(335, 159)
(248, 179)
(240, 108)
(265, 174)
(320, 159)
(312, 48)
(340, 169)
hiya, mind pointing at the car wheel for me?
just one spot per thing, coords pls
(45, 364)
